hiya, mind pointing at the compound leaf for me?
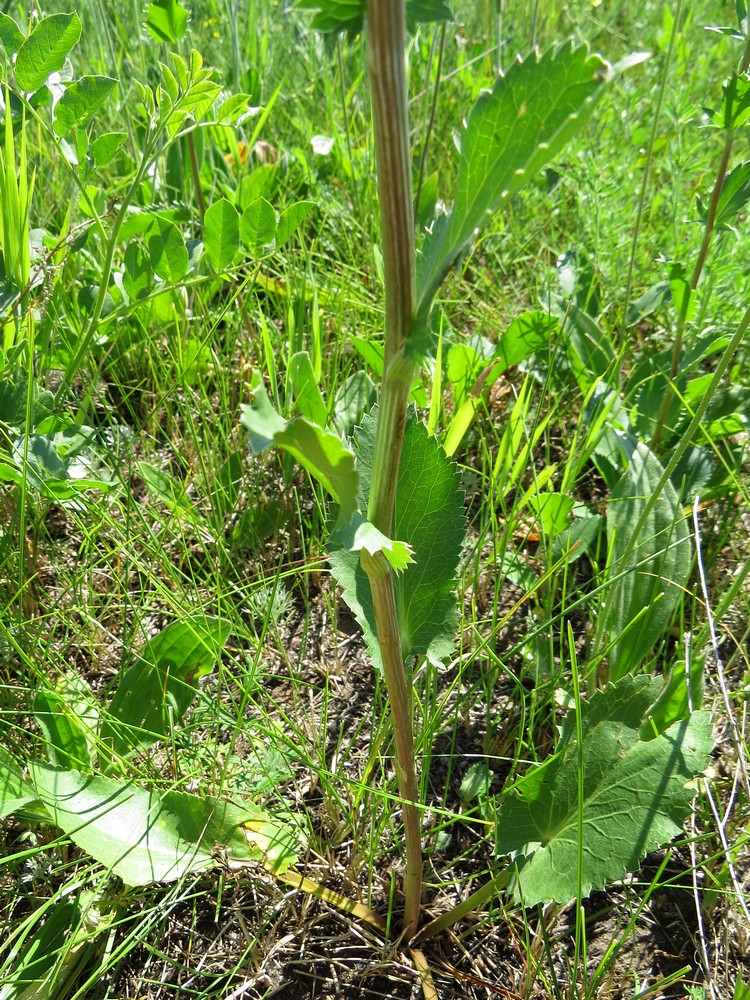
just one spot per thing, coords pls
(80, 102)
(635, 795)
(221, 233)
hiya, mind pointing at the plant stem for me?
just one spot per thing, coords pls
(388, 88)
(708, 229)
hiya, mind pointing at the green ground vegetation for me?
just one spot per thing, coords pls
(199, 790)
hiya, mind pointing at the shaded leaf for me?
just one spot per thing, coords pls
(654, 577)
(635, 796)
(735, 192)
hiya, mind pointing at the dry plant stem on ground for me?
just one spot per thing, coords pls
(387, 74)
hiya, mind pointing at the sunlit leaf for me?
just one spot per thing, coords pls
(11, 35)
(166, 20)
(635, 796)
(167, 251)
(45, 49)
(429, 517)
(157, 690)
(221, 233)
(104, 147)
(80, 102)
(148, 835)
(511, 132)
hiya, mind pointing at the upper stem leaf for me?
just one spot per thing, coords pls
(511, 133)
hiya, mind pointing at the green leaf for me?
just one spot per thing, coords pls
(45, 49)
(166, 20)
(221, 233)
(589, 350)
(157, 690)
(649, 302)
(291, 219)
(167, 251)
(169, 490)
(429, 517)
(635, 796)
(15, 791)
(306, 391)
(511, 133)
(657, 569)
(427, 12)
(348, 15)
(81, 101)
(682, 693)
(735, 193)
(321, 452)
(336, 15)
(258, 225)
(148, 835)
(361, 534)
(552, 512)
(43, 969)
(528, 333)
(476, 783)
(68, 716)
(10, 35)
(47, 466)
(138, 277)
(354, 397)
(104, 147)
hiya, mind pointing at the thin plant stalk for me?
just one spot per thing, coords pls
(708, 230)
(388, 87)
